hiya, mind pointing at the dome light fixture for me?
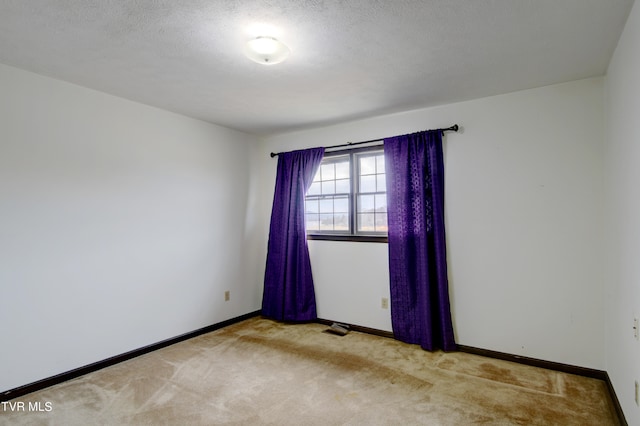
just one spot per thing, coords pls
(266, 50)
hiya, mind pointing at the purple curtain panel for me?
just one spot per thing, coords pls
(420, 308)
(288, 284)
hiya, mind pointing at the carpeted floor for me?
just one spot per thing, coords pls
(260, 372)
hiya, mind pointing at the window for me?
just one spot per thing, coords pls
(340, 207)
(327, 204)
(371, 205)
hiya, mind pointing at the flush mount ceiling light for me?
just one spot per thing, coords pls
(266, 50)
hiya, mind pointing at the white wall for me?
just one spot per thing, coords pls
(121, 225)
(350, 281)
(622, 216)
(524, 218)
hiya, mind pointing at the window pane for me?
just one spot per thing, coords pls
(381, 202)
(367, 165)
(368, 183)
(314, 189)
(341, 222)
(381, 222)
(366, 203)
(341, 205)
(326, 222)
(342, 170)
(380, 163)
(366, 222)
(328, 187)
(328, 171)
(381, 183)
(326, 206)
(342, 186)
(311, 206)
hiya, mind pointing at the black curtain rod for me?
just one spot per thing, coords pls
(453, 128)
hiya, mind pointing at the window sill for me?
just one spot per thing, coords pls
(351, 238)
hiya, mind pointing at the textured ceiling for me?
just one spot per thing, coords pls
(350, 58)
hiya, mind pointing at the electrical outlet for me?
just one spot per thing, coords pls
(227, 296)
(635, 328)
(384, 303)
(637, 397)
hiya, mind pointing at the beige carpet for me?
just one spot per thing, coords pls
(261, 372)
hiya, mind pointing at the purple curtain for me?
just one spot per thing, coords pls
(420, 311)
(288, 284)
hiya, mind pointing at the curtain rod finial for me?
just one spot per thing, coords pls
(273, 154)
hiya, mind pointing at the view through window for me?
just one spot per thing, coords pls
(348, 195)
